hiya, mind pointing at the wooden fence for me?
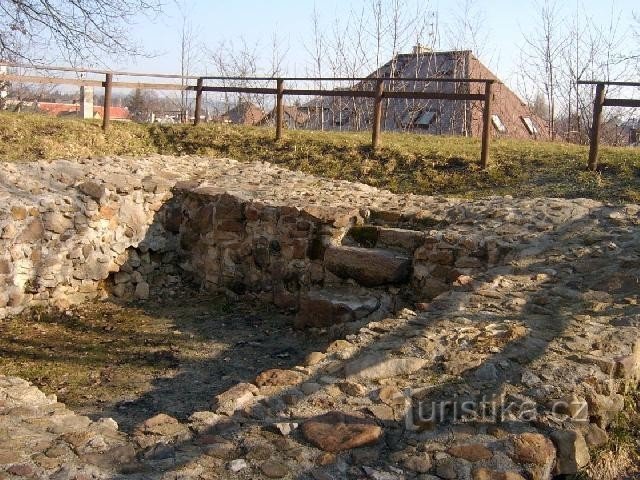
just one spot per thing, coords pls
(599, 103)
(280, 90)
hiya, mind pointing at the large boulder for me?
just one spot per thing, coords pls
(370, 267)
(335, 431)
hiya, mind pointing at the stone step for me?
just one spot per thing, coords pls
(369, 267)
(370, 236)
(330, 306)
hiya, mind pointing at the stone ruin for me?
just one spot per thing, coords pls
(334, 252)
(533, 301)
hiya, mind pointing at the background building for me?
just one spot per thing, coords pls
(511, 117)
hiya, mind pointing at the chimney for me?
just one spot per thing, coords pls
(420, 49)
(86, 102)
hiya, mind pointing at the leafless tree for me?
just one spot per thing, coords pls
(316, 47)
(190, 53)
(467, 30)
(279, 51)
(542, 53)
(378, 30)
(635, 32)
(568, 46)
(238, 59)
(81, 29)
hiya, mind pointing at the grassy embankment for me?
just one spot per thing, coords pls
(421, 164)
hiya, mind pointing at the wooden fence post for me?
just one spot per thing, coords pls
(196, 119)
(279, 108)
(598, 103)
(106, 116)
(486, 124)
(377, 114)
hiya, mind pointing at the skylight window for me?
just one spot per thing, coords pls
(531, 127)
(497, 123)
(408, 118)
(425, 119)
(418, 118)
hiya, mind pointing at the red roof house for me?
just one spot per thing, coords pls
(73, 109)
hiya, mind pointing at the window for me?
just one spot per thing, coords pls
(418, 118)
(425, 119)
(531, 127)
(497, 123)
(408, 118)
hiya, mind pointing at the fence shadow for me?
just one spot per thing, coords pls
(545, 316)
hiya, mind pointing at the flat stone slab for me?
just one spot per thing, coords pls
(377, 366)
(326, 307)
(335, 431)
(370, 267)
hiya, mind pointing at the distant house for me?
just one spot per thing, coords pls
(511, 117)
(73, 109)
(294, 117)
(245, 113)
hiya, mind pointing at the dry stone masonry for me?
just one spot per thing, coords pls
(146, 225)
(488, 339)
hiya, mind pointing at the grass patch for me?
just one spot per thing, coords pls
(130, 361)
(92, 352)
(406, 163)
(620, 457)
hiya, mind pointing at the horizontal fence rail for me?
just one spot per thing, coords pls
(599, 102)
(378, 94)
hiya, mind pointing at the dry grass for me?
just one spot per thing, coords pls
(421, 164)
(92, 352)
(620, 458)
(170, 355)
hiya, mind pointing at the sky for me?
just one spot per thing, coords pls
(507, 24)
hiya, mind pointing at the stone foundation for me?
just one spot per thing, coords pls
(527, 303)
(69, 231)
(135, 228)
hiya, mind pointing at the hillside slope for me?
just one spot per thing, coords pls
(407, 163)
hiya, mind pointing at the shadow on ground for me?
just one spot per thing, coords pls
(209, 345)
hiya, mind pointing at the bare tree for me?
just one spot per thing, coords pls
(279, 51)
(633, 54)
(541, 56)
(189, 55)
(81, 29)
(467, 30)
(357, 44)
(316, 50)
(569, 47)
(378, 31)
(237, 59)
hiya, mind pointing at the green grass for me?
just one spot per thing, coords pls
(406, 163)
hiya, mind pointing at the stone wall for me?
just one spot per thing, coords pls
(62, 236)
(336, 251)
(529, 303)
(296, 259)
